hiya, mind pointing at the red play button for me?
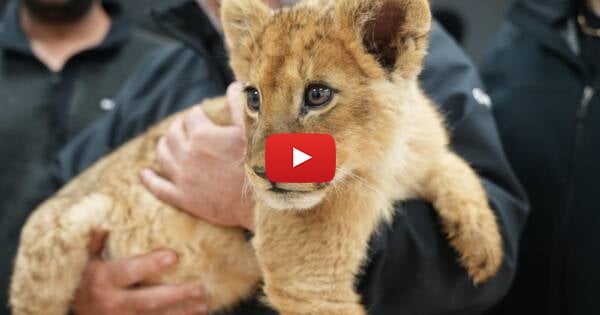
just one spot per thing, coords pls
(300, 158)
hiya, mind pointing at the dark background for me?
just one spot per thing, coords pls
(480, 18)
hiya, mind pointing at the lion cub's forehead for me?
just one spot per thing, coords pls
(297, 28)
(301, 44)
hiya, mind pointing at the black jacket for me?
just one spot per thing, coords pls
(411, 270)
(41, 110)
(548, 112)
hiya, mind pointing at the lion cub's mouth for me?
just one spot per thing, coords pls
(286, 196)
(283, 191)
(277, 188)
(293, 196)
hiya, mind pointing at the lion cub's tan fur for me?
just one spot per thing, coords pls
(310, 241)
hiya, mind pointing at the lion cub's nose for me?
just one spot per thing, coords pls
(260, 172)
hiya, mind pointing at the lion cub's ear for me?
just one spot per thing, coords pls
(241, 20)
(395, 32)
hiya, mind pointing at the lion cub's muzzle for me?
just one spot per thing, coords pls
(260, 172)
(285, 195)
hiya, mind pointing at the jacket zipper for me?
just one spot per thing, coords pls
(581, 115)
(588, 94)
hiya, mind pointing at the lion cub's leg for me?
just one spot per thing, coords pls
(466, 217)
(53, 253)
(310, 259)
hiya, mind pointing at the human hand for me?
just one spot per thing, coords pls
(109, 287)
(202, 167)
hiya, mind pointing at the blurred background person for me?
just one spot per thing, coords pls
(474, 21)
(411, 267)
(61, 62)
(470, 22)
(543, 72)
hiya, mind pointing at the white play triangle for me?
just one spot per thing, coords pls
(300, 157)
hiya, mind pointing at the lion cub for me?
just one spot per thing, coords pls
(347, 68)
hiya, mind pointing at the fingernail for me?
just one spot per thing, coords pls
(168, 259)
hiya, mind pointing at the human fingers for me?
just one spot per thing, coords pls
(234, 103)
(157, 298)
(196, 121)
(177, 139)
(166, 160)
(129, 271)
(96, 243)
(161, 188)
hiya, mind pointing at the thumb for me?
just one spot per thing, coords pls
(96, 243)
(234, 102)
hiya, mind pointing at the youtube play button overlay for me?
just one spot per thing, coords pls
(300, 158)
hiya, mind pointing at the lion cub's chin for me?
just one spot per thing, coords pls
(291, 200)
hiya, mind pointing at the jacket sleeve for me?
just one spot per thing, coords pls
(166, 82)
(412, 269)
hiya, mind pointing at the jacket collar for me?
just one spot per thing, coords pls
(551, 12)
(13, 38)
(552, 23)
(187, 23)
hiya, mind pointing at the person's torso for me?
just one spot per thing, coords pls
(548, 114)
(41, 111)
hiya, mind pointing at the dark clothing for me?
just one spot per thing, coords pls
(547, 107)
(140, 12)
(412, 269)
(42, 110)
(590, 45)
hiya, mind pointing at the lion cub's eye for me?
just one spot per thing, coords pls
(253, 99)
(317, 95)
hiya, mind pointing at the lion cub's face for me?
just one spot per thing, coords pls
(308, 69)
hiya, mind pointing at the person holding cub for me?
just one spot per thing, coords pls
(410, 269)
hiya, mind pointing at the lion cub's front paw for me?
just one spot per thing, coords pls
(477, 239)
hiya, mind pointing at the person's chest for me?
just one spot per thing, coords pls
(44, 106)
(42, 110)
